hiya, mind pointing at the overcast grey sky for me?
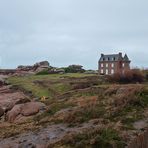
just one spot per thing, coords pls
(68, 32)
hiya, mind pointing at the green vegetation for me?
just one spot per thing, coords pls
(30, 83)
(133, 111)
(27, 83)
(74, 69)
(105, 138)
(76, 99)
(44, 72)
(85, 114)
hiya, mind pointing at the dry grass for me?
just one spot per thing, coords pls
(86, 100)
(129, 76)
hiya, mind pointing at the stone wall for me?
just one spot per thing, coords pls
(7, 71)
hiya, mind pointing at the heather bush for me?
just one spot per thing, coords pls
(43, 72)
(74, 69)
(130, 76)
(145, 72)
(94, 138)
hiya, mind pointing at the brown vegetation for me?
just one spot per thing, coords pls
(98, 114)
(130, 76)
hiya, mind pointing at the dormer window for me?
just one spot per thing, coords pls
(114, 58)
(103, 59)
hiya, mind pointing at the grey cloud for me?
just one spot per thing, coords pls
(72, 31)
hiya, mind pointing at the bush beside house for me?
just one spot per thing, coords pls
(130, 76)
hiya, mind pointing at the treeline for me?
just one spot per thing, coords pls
(69, 69)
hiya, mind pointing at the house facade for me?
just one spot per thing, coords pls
(113, 63)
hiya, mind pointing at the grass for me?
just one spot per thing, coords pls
(104, 138)
(27, 83)
(87, 113)
(55, 107)
(61, 87)
(133, 111)
(85, 104)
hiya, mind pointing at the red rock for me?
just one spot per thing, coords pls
(8, 100)
(31, 108)
(1, 112)
(12, 114)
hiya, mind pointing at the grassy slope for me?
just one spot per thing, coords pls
(28, 84)
(105, 107)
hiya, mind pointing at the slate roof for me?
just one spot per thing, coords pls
(126, 58)
(114, 57)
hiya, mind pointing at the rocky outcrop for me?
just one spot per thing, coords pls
(26, 109)
(8, 100)
(1, 112)
(7, 71)
(44, 64)
(13, 113)
(16, 105)
(32, 108)
(40, 66)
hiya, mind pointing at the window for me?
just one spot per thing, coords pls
(114, 58)
(106, 71)
(106, 64)
(112, 71)
(112, 65)
(123, 64)
(101, 64)
(102, 71)
(108, 59)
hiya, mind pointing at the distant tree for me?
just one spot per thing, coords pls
(74, 69)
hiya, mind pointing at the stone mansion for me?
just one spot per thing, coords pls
(113, 63)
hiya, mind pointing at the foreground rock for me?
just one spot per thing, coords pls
(16, 105)
(11, 115)
(10, 98)
(26, 109)
(1, 112)
(32, 108)
(46, 137)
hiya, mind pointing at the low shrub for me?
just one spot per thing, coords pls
(74, 69)
(97, 138)
(145, 72)
(43, 72)
(85, 113)
(130, 76)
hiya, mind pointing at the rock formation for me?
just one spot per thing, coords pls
(1, 112)
(26, 109)
(40, 66)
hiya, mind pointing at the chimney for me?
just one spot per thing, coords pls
(102, 54)
(120, 54)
